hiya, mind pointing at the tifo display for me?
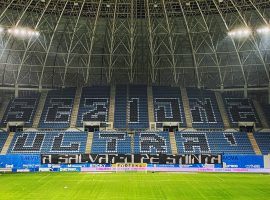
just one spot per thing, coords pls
(114, 128)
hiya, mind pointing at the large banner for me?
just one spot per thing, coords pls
(243, 161)
(131, 158)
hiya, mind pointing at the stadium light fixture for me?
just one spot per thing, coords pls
(263, 30)
(243, 32)
(23, 32)
(1, 29)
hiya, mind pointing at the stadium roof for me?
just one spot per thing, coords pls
(211, 43)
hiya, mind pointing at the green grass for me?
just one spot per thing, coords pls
(154, 186)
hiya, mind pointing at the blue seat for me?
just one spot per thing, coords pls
(263, 141)
(94, 104)
(240, 110)
(111, 142)
(213, 142)
(3, 138)
(21, 109)
(138, 107)
(168, 106)
(120, 113)
(48, 143)
(57, 109)
(152, 143)
(204, 109)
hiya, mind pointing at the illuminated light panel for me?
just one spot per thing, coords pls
(23, 32)
(1, 29)
(240, 33)
(263, 30)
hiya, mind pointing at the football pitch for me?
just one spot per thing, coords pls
(143, 186)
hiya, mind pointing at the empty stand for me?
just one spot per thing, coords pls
(120, 112)
(21, 109)
(75, 110)
(137, 113)
(222, 110)
(57, 109)
(112, 104)
(168, 106)
(263, 141)
(3, 139)
(150, 104)
(48, 142)
(94, 105)
(111, 142)
(204, 109)
(240, 110)
(263, 113)
(186, 107)
(40, 107)
(213, 142)
(152, 143)
(254, 143)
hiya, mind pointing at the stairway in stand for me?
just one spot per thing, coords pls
(76, 107)
(254, 144)
(151, 115)
(186, 107)
(112, 105)
(7, 143)
(89, 142)
(261, 115)
(40, 107)
(222, 110)
(132, 142)
(173, 143)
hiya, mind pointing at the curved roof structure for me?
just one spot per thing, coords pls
(172, 42)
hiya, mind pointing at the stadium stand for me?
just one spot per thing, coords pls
(213, 142)
(21, 109)
(120, 113)
(168, 105)
(263, 141)
(57, 109)
(94, 105)
(3, 138)
(266, 110)
(111, 142)
(48, 142)
(240, 110)
(152, 143)
(137, 109)
(204, 109)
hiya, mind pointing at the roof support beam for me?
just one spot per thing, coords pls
(50, 44)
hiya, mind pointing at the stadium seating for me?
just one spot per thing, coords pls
(120, 113)
(94, 105)
(57, 109)
(168, 105)
(3, 138)
(213, 142)
(263, 140)
(152, 143)
(138, 111)
(111, 142)
(48, 142)
(204, 109)
(240, 110)
(21, 109)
